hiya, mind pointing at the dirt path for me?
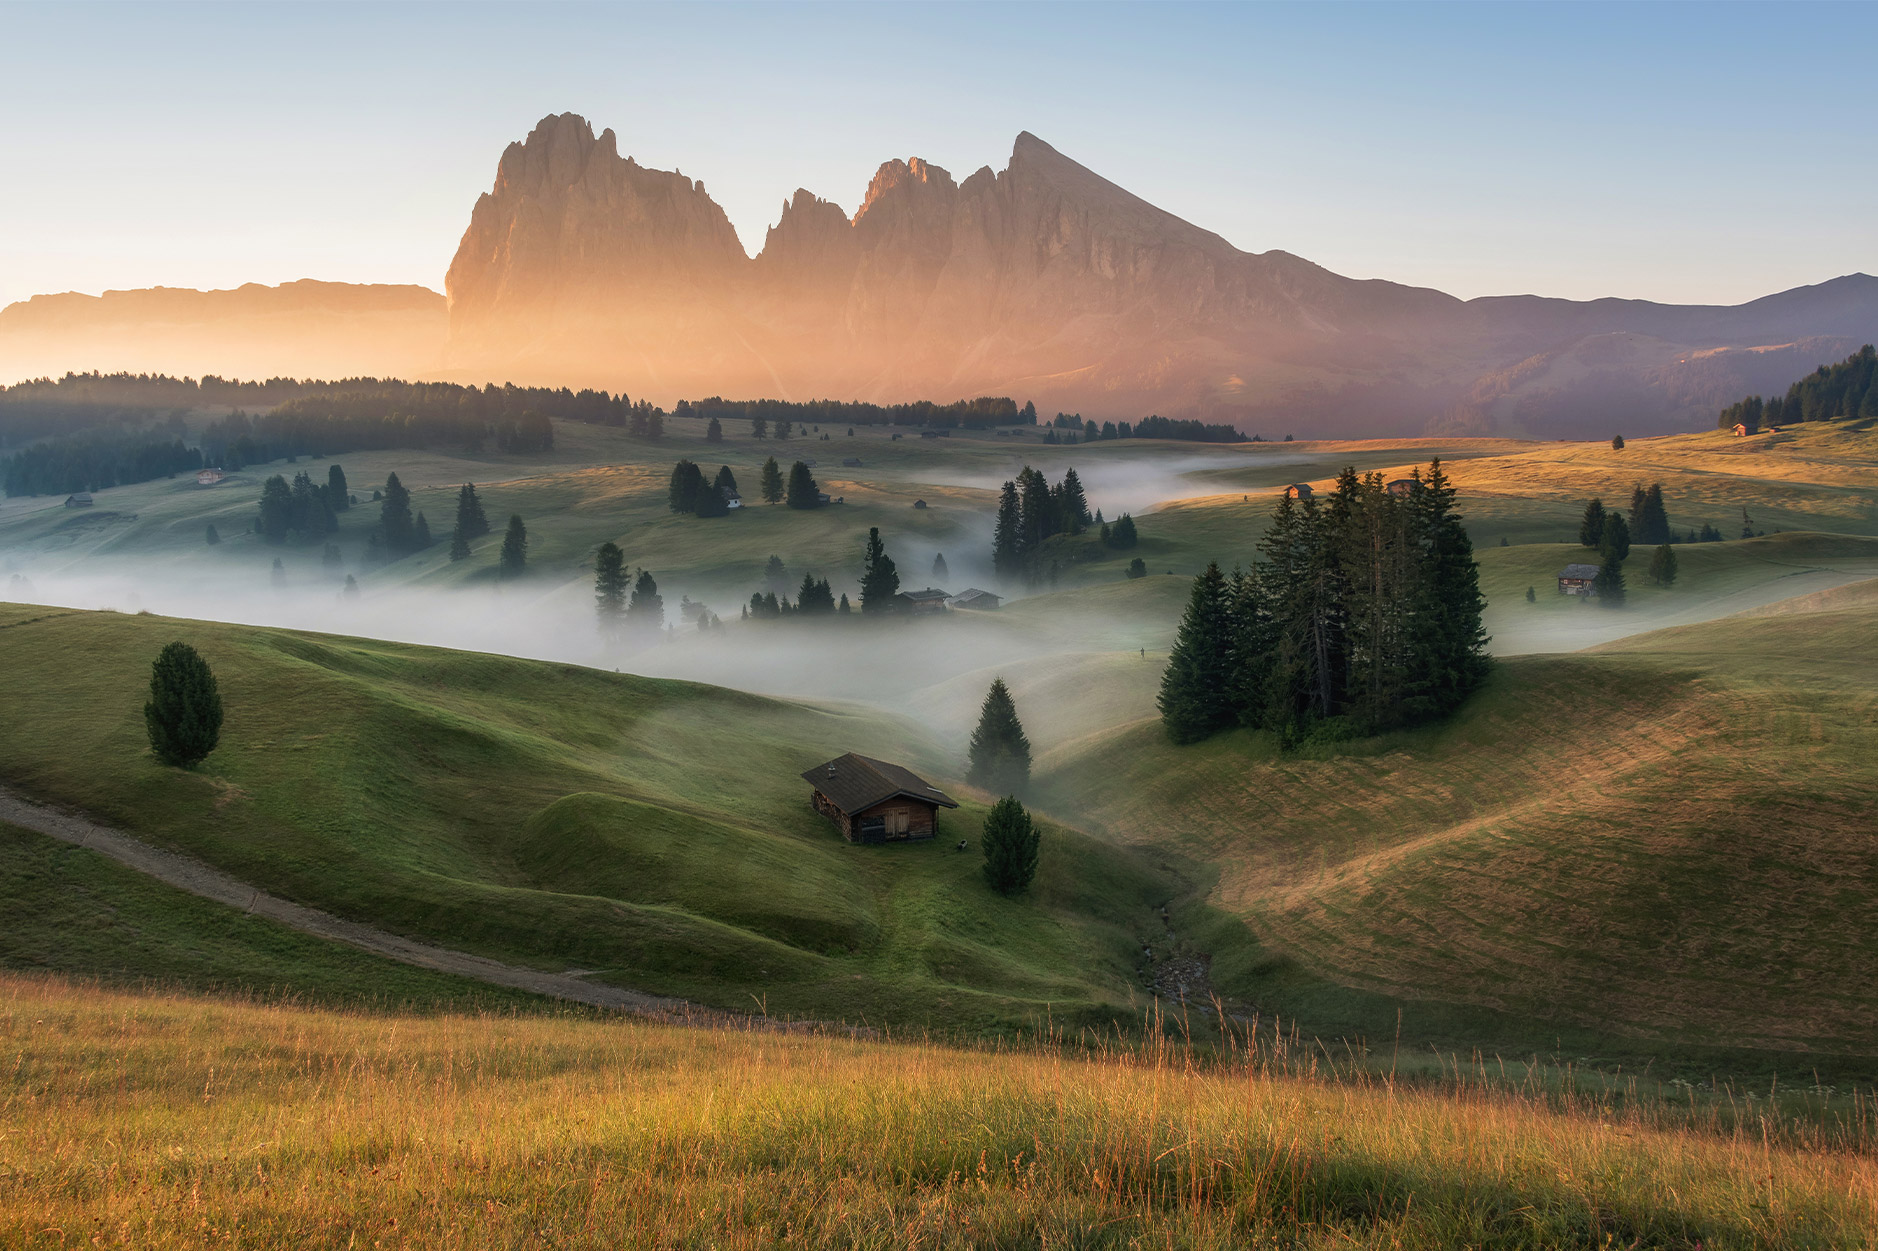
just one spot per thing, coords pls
(199, 879)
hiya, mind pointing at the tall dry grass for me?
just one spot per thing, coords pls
(167, 1121)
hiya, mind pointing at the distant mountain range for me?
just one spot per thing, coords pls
(1044, 281)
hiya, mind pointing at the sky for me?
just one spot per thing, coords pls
(1679, 152)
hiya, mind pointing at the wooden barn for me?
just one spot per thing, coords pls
(1578, 580)
(871, 801)
(973, 598)
(929, 600)
(1299, 491)
(80, 500)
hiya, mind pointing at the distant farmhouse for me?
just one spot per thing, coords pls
(731, 498)
(871, 801)
(928, 600)
(80, 500)
(1578, 580)
(973, 598)
(1299, 491)
(208, 477)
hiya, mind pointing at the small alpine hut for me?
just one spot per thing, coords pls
(1299, 491)
(1578, 580)
(871, 801)
(208, 477)
(929, 600)
(81, 500)
(977, 600)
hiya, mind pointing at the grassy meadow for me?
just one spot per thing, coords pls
(167, 1121)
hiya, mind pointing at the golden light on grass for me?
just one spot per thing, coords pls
(163, 1121)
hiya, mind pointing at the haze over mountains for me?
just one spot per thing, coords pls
(1042, 281)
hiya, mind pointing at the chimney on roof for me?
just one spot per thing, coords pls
(831, 768)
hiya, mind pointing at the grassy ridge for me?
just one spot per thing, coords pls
(170, 1122)
(1666, 839)
(652, 833)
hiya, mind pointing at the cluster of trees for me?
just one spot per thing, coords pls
(1847, 389)
(690, 493)
(1150, 427)
(94, 459)
(1000, 763)
(1612, 536)
(1363, 614)
(629, 605)
(1030, 512)
(330, 425)
(814, 598)
(783, 415)
(305, 511)
(471, 522)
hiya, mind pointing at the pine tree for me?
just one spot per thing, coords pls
(1449, 643)
(771, 481)
(1532, 595)
(815, 597)
(420, 533)
(1038, 511)
(1010, 845)
(1616, 536)
(1121, 534)
(1663, 565)
(1649, 519)
(880, 581)
(846, 607)
(714, 431)
(939, 571)
(459, 546)
(609, 588)
(470, 521)
(726, 481)
(645, 614)
(802, 493)
(394, 517)
(1007, 556)
(759, 429)
(1194, 700)
(1075, 504)
(213, 536)
(1000, 751)
(687, 487)
(338, 495)
(276, 510)
(775, 573)
(1609, 583)
(1591, 529)
(514, 560)
(184, 715)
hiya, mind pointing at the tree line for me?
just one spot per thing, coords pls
(1363, 614)
(95, 459)
(784, 415)
(1032, 512)
(1152, 426)
(1829, 393)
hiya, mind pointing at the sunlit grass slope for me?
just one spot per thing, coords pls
(74, 912)
(1668, 839)
(653, 833)
(169, 1122)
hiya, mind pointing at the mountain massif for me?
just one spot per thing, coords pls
(1047, 282)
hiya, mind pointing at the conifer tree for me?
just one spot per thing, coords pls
(880, 581)
(1649, 520)
(1000, 751)
(395, 522)
(1447, 647)
(351, 590)
(713, 431)
(338, 495)
(1196, 685)
(645, 614)
(759, 429)
(1075, 504)
(420, 533)
(1591, 529)
(459, 546)
(1616, 536)
(184, 715)
(771, 481)
(815, 597)
(470, 521)
(725, 481)
(276, 510)
(1122, 534)
(1010, 844)
(609, 588)
(1663, 565)
(803, 492)
(213, 536)
(687, 487)
(514, 560)
(1617, 443)
(1007, 536)
(775, 573)
(939, 571)
(846, 607)
(1610, 580)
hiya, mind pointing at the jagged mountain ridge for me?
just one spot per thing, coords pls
(1045, 280)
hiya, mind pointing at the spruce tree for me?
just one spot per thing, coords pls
(771, 481)
(1122, 534)
(1448, 644)
(1616, 536)
(213, 536)
(278, 575)
(1010, 845)
(802, 493)
(1663, 565)
(645, 613)
(1000, 751)
(1195, 687)
(276, 510)
(1075, 504)
(725, 481)
(395, 522)
(514, 560)
(609, 588)
(1007, 534)
(471, 523)
(184, 715)
(459, 546)
(880, 581)
(1610, 580)
(1591, 529)
(713, 431)
(420, 533)
(845, 607)
(338, 495)
(687, 487)
(939, 571)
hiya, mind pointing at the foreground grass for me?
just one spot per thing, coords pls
(160, 1122)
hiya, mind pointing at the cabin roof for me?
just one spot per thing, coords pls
(1580, 571)
(927, 596)
(856, 782)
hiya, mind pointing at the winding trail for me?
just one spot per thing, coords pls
(199, 879)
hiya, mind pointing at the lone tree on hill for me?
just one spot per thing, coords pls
(395, 523)
(1617, 443)
(1663, 565)
(515, 548)
(880, 581)
(1196, 688)
(184, 715)
(770, 483)
(609, 588)
(1010, 842)
(1000, 752)
(803, 493)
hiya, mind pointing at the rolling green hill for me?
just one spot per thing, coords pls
(654, 834)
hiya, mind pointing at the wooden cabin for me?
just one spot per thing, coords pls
(1299, 491)
(80, 500)
(1578, 580)
(973, 598)
(871, 801)
(208, 477)
(928, 600)
(1740, 430)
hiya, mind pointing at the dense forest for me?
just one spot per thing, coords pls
(94, 459)
(1363, 614)
(1831, 392)
(784, 415)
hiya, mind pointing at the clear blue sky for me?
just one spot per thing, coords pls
(1680, 152)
